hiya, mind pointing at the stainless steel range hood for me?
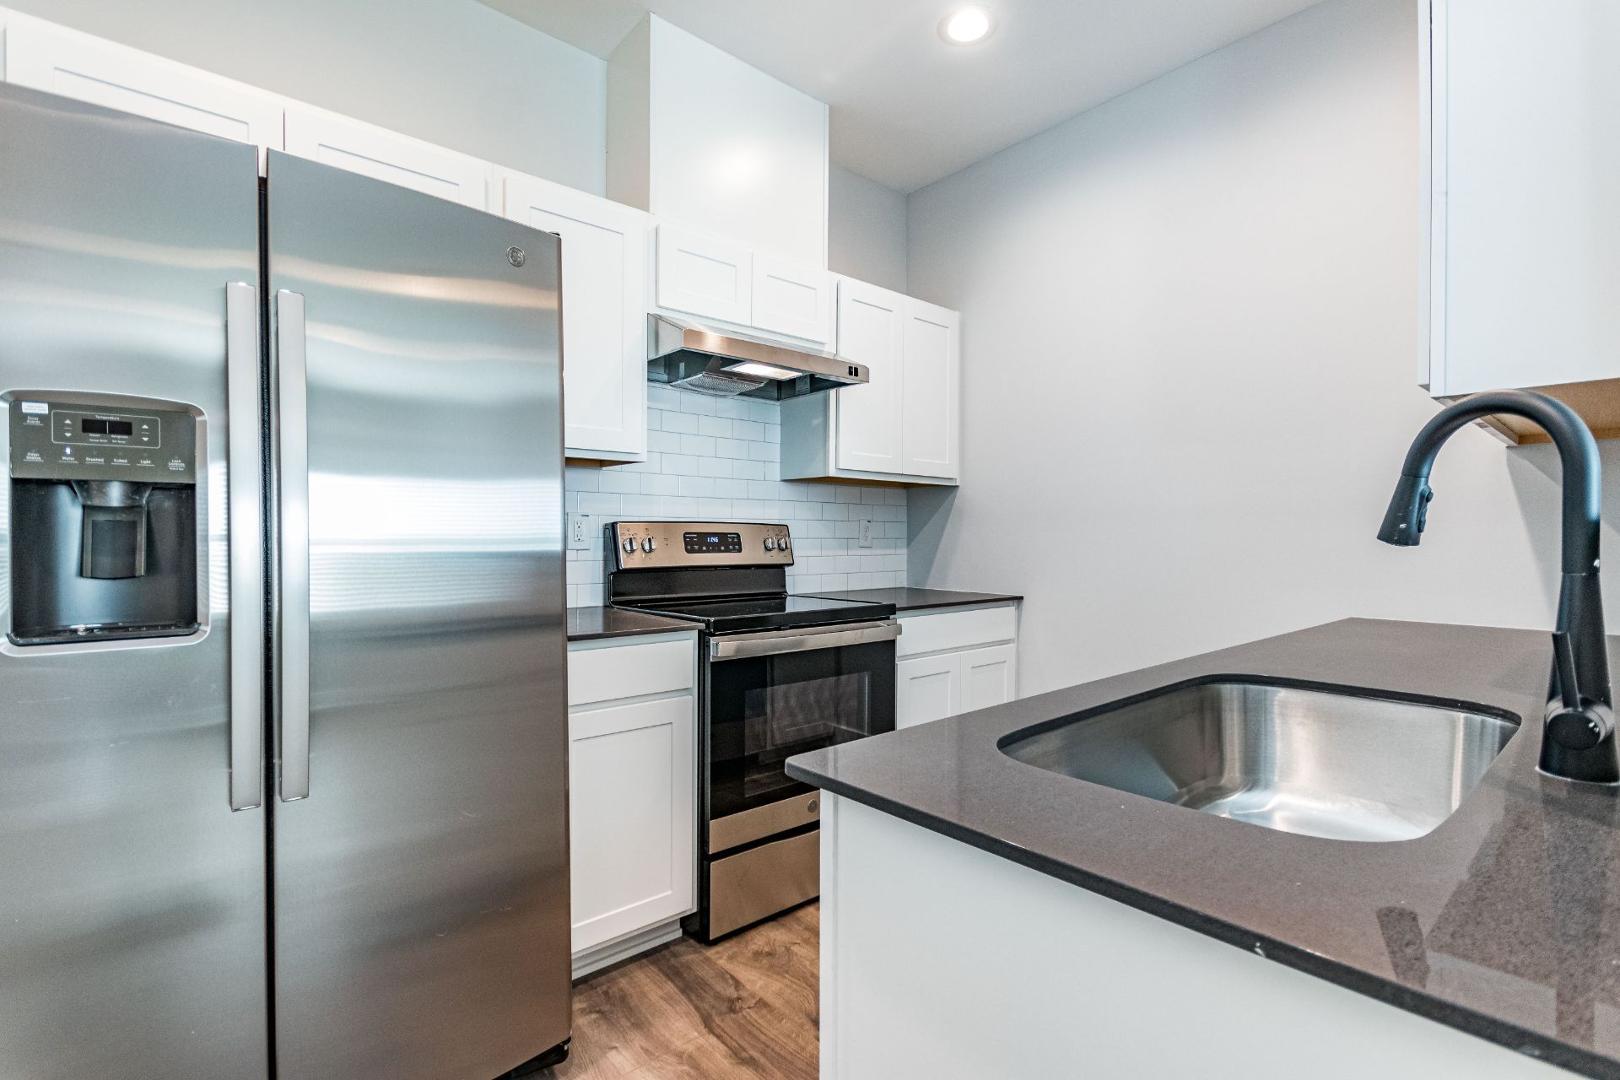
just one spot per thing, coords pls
(689, 356)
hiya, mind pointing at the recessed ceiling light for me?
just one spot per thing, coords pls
(966, 26)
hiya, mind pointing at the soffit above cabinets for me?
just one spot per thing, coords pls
(700, 139)
(908, 109)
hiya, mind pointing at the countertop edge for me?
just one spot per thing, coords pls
(940, 599)
(1509, 1036)
(618, 634)
(609, 623)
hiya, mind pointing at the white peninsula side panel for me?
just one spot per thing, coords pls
(942, 960)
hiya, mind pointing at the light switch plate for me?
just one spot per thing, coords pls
(866, 532)
(579, 532)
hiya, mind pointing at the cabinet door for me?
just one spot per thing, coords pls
(792, 299)
(386, 155)
(989, 676)
(1525, 131)
(704, 275)
(931, 424)
(604, 297)
(871, 331)
(632, 817)
(927, 688)
(60, 61)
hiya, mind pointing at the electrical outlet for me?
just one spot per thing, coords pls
(866, 532)
(579, 532)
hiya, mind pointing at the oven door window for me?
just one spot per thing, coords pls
(763, 710)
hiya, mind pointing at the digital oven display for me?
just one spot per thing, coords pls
(698, 543)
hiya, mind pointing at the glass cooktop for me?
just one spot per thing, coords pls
(738, 613)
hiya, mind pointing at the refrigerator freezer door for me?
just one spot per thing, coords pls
(132, 917)
(421, 884)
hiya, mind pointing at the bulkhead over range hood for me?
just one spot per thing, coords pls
(688, 356)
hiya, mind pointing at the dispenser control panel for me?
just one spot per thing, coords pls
(83, 439)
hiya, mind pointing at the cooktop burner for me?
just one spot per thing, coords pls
(732, 614)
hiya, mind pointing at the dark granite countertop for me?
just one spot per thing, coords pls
(1503, 922)
(585, 623)
(914, 599)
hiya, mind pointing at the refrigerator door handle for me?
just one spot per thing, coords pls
(246, 545)
(292, 394)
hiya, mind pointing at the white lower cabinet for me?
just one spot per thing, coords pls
(927, 688)
(989, 676)
(953, 661)
(632, 794)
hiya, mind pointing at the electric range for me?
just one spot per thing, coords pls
(779, 675)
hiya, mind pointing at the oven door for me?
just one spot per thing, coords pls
(776, 694)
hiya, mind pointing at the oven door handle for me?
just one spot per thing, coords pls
(775, 642)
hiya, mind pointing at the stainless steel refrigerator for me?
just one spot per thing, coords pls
(282, 710)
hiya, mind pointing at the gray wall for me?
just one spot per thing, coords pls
(1190, 339)
(866, 230)
(453, 72)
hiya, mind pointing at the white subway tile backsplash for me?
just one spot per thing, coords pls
(698, 445)
(717, 458)
(680, 422)
(617, 480)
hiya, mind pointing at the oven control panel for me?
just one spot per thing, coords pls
(665, 545)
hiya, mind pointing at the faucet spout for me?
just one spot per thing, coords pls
(1578, 740)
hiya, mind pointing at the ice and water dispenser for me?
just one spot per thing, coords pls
(103, 520)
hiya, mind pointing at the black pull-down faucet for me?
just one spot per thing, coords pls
(1578, 742)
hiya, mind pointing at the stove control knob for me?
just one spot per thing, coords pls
(782, 544)
(629, 545)
(647, 545)
(770, 544)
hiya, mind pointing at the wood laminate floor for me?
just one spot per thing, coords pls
(744, 1008)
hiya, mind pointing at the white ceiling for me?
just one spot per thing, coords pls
(908, 109)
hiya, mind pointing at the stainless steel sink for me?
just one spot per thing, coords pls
(1342, 765)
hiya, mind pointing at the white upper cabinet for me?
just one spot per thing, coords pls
(704, 275)
(701, 139)
(930, 383)
(1523, 140)
(792, 299)
(604, 298)
(870, 418)
(760, 294)
(57, 60)
(387, 155)
(904, 424)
